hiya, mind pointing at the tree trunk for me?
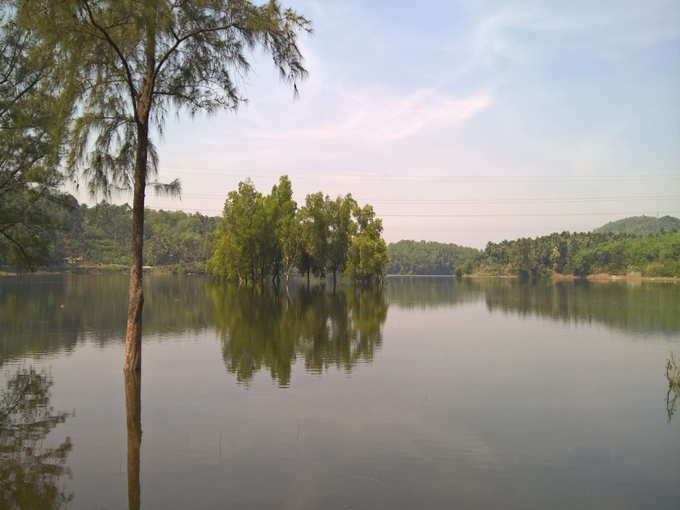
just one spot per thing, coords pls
(308, 278)
(133, 411)
(133, 338)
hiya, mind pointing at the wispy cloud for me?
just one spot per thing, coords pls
(387, 118)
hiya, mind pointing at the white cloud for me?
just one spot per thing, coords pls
(380, 118)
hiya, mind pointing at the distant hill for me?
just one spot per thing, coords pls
(640, 225)
(427, 257)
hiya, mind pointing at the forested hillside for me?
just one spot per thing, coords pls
(101, 235)
(640, 225)
(582, 254)
(427, 257)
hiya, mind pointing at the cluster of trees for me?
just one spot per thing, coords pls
(582, 254)
(101, 235)
(269, 235)
(427, 257)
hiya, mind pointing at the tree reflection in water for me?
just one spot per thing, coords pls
(673, 377)
(260, 327)
(30, 473)
(133, 412)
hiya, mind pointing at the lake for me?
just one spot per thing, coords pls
(428, 393)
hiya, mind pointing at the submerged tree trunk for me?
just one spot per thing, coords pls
(133, 411)
(133, 338)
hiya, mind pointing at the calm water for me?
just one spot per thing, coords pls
(430, 393)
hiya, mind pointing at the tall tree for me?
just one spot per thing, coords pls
(342, 228)
(315, 225)
(368, 252)
(287, 225)
(134, 62)
(239, 234)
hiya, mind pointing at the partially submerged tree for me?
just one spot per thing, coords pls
(315, 227)
(342, 228)
(287, 225)
(368, 252)
(134, 62)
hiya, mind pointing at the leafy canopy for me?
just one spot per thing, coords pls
(32, 112)
(131, 63)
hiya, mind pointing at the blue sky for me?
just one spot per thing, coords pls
(459, 121)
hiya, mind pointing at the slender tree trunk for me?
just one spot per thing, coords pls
(307, 278)
(133, 338)
(133, 411)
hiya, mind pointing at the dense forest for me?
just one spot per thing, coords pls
(581, 254)
(640, 225)
(100, 234)
(264, 236)
(427, 257)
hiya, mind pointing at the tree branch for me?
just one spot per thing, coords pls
(128, 74)
(180, 40)
(16, 243)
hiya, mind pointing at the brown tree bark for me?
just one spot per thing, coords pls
(133, 410)
(133, 338)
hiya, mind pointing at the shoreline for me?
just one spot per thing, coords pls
(556, 277)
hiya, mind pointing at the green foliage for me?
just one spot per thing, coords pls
(427, 257)
(32, 120)
(583, 254)
(242, 236)
(315, 229)
(131, 63)
(640, 225)
(263, 236)
(368, 252)
(101, 235)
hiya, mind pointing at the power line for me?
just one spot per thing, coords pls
(423, 177)
(486, 201)
(474, 215)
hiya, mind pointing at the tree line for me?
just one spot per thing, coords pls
(264, 236)
(427, 257)
(100, 234)
(581, 254)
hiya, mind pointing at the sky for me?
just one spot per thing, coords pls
(461, 122)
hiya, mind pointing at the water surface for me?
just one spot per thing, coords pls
(431, 392)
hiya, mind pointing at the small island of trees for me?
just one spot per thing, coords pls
(263, 236)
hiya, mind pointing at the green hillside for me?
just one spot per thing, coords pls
(640, 225)
(426, 257)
